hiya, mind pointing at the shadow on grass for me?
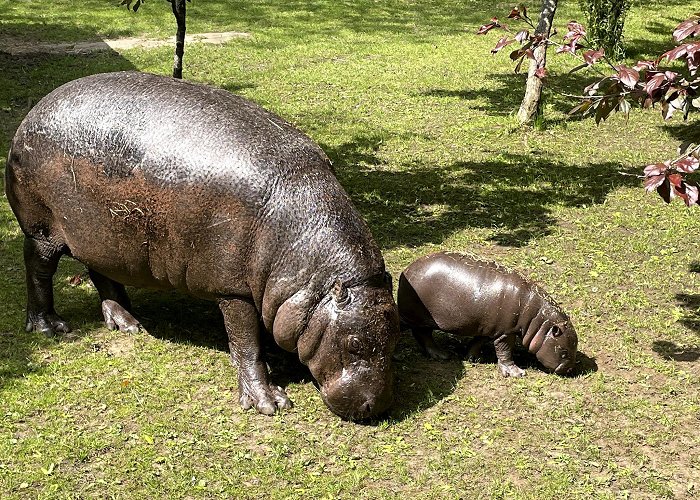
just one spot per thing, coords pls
(512, 195)
(23, 81)
(691, 320)
(504, 95)
(175, 317)
(670, 351)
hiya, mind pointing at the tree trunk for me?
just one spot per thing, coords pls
(180, 12)
(531, 105)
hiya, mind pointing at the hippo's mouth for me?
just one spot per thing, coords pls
(564, 368)
(355, 408)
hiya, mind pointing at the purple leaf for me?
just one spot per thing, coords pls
(488, 27)
(521, 36)
(593, 56)
(665, 191)
(648, 65)
(627, 75)
(689, 27)
(501, 43)
(514, 14)
(655, 82)
(655, 169)
(676, 53)
(691, 190)
(688, 164)
(653, 182)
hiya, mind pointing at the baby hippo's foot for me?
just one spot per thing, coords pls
(47, 323)
(266, 399)
(118, 318)
(424, 337)
(510, 370)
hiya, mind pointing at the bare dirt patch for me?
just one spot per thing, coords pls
(16, 47)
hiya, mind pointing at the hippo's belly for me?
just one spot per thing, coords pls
(144, 235)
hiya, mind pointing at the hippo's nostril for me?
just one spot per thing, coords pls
(367, 408)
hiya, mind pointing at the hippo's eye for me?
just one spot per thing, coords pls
(354, 345)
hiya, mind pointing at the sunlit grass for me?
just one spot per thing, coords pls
(417, 117)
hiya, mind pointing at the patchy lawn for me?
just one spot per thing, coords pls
(418, 119)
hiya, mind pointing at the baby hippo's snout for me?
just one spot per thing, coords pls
(565, 367)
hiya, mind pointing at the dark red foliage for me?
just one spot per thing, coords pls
(644, 84)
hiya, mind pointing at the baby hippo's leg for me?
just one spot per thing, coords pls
(424, 337)
(115, 304)
(504, 352)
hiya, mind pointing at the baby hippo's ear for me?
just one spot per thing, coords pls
(340, 294)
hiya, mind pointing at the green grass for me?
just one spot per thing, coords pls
(418, 119)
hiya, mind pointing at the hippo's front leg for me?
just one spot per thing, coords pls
(245, 343)
(504, 352)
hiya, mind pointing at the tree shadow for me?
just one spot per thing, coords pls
(23, 81)
(691, 320)
(684, 131)
(513, 196)
(671, 351)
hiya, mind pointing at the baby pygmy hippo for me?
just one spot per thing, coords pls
(463, 295)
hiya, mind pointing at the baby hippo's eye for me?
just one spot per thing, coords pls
(564, 354)
(354, 345)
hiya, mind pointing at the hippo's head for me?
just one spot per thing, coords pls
(555, 344)
(347, 343)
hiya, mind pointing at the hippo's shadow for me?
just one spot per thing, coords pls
(176, 317)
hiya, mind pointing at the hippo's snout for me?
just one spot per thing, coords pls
(356, 399)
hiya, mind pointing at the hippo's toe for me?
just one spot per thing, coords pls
(48, 324)
(511, 370)
(267, 400)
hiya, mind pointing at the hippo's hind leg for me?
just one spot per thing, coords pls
(504, 352)
(115, 304)
(41, 258)
(475, 348)
(245, 342)
(424, 337)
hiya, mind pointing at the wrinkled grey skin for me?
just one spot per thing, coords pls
(461, 294)
(159, 183)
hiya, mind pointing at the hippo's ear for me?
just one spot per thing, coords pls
(340, 294)
(292, 319)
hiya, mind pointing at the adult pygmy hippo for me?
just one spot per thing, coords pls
(461, 294)
(160, 183)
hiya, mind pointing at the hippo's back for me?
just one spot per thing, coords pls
(174, 132)
(463, 294)
(157, 182)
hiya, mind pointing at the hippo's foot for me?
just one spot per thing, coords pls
(475, 349)
(434, 352)
(118, 318)
(48, 324)
(267, 399)
(511, 370)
